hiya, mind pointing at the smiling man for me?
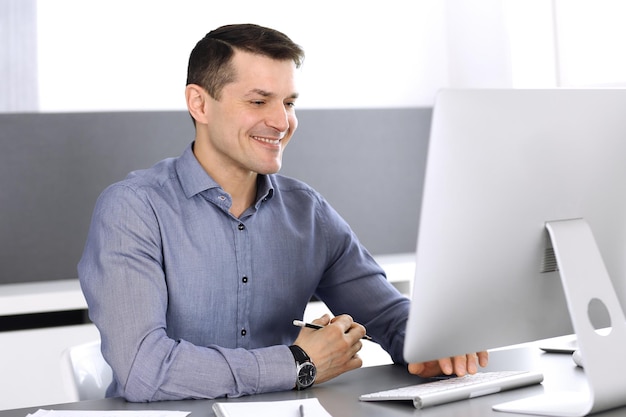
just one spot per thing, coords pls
(194, 269)
(242, 133)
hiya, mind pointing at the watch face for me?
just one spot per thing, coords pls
(306, 375)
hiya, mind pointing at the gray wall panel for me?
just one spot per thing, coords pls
(367, 163)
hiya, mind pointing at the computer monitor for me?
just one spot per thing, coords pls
(503, 165)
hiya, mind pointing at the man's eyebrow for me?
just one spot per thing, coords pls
(258, 91)
(264, 93)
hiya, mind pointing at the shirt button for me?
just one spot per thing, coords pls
(244, 279)
(221, 198)
(243, 332)
(241, 226)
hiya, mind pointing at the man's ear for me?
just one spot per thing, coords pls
(196, 98)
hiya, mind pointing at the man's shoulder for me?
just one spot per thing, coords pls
(154, 177)
(287, 184)
(144, 181)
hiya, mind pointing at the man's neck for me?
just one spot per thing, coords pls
(242, 193)
(240, 185)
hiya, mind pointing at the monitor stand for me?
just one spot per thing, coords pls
(586, 282)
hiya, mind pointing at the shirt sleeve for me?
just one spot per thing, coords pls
(123, 280)
(355, 284)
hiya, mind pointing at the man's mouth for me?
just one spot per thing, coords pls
(266, 140)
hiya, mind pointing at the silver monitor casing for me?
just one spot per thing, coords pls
(511, 175)
(502, 163)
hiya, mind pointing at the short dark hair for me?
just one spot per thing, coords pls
(210, 60)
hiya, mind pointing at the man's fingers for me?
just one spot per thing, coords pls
(469, 364)
(483, 358)
(446, 366)
(459, 365)
(349, 326)
(429, 369)
(322, 321)
(416, 368)
(472, 363)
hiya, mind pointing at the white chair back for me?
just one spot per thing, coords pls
(89, 373)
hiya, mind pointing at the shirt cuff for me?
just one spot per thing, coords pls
(277, 368)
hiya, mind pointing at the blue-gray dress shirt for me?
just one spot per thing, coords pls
(192, 302)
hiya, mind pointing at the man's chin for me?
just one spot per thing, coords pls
(269, 169)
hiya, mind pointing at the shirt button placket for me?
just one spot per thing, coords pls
(244, 279)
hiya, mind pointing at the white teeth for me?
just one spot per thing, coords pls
(270, 141)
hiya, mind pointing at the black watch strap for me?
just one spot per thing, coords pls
(299, 354)
(306, 373)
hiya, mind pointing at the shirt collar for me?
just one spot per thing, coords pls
(194, 179)
(264, 189)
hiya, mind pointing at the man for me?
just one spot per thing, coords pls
(195, 268)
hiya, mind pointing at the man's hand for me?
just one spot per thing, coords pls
(459, 365)
(333, 349)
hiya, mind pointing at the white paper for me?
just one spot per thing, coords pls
(110, 413)
(289, 408)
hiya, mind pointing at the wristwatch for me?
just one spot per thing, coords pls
(306, 371)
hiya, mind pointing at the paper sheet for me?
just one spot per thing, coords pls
(289, 408)
(111, 413)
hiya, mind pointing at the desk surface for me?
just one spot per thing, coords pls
(340, 396)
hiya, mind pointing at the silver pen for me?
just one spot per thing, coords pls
(301, 410)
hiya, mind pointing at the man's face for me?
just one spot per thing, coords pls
(251, 124)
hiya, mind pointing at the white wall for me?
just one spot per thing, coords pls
(590, 35)
(119, 54)
(131, 54)
(125, 55)
(17, 55)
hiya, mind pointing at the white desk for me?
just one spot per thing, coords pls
(41, 297)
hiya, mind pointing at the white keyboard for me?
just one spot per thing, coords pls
(457, 388)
